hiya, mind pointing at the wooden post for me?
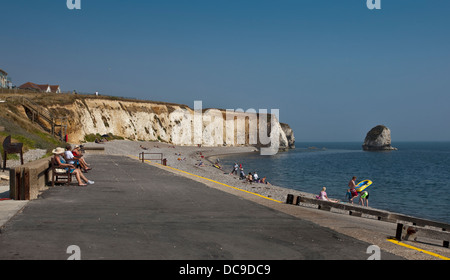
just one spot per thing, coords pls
(14, 178)
(398, 233)
(446, 242)
(4, 160)
(290, 199)
(25, 193)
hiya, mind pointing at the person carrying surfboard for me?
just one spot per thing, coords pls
(352, 190)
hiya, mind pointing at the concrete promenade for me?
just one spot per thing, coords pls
(139, 211)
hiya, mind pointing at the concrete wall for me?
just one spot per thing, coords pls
(29, 180)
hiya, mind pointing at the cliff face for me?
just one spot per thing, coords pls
(176, 124)
(289, 135)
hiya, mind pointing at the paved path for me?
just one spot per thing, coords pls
(137, 211)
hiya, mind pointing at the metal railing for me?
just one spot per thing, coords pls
(161, 157)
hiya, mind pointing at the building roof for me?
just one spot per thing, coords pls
(43, 87)
(3, 72)
(54, 88)
(30, 85)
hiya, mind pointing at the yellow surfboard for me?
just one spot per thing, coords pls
(363, 185)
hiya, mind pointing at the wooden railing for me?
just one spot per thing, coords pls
(38, 111)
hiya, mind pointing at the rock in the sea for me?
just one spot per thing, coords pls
(378, 139)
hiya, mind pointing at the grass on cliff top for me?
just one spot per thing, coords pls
(61, 99)
(23, 131)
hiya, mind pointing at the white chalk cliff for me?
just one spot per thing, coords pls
(172, 123)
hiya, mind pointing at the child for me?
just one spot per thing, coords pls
(364, 197)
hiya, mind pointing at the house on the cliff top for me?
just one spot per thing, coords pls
(41, 88)
(5, 82)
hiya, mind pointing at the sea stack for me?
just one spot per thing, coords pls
(378, 139)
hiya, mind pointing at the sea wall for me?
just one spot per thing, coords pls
(171, 123)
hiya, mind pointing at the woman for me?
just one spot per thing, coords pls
(323, 196)
(58, 155)
(77, 153)
(249, 177)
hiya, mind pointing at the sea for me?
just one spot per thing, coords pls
(413, 180)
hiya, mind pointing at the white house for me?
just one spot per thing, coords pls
(4, 82)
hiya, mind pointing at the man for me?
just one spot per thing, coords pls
(352, 190)
(255, 177)
(235, 169)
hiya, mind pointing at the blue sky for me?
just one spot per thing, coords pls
(334, 69)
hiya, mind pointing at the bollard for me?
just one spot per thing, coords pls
(446, 242)
(298, 200)
(164, 161)
(290, 199)
(398, 233)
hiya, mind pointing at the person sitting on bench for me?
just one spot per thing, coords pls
(71, 159)
(323, 196)
(77, 153)
(58, 155)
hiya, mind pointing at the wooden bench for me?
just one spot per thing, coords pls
(11, 148)
(59, 174)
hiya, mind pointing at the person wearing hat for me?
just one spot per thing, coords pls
(58, 155)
